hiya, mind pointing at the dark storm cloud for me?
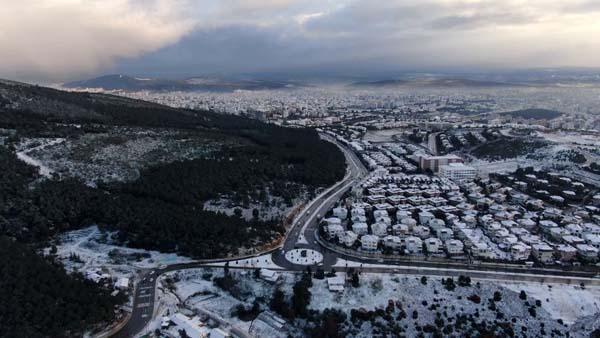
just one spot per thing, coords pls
(210, 36)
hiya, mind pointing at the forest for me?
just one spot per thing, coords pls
(38, 299)
(162, 210)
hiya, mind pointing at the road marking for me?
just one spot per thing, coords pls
(143, 305)
(145, 288)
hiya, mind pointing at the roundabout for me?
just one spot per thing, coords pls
(304, 256)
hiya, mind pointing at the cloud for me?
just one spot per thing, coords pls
(56, 39)
(67, 38)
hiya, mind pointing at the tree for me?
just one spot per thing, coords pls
(355, 280)
(522, 295)
(497, 296)
(424, 280)
(301, 297)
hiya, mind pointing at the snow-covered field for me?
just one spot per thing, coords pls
(196, 290)
(311, 257)
(277, 208)
(567, 302)
(24, 154)
(94, 250)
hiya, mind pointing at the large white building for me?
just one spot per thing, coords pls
(458, 172)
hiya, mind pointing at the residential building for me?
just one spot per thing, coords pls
(454, 247)
(543, 253)
(369, 242)
(458, 172)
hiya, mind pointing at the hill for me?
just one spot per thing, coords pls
(430, 83)
(160, 210)
(128, 83)
(257, 159)
(535, 114)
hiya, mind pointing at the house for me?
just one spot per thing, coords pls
(572, 240)
(546, 225)
(122, 283)
(340, 212)
(269, 275)
(444, 234)
(376, 199)
(357, 212)
(272, 320)
(401, 214)
(360, 228)
(574, 229)
(410, 222)
(481, 250)
(543, 253)
(566, 253)
(332, 220)
(454, 247)
(97, 276)
(336, 284)
(422, 231)
(425, 217)
(393, 242)
(590, 228)
(520, 251)
(433, 245)
(193, 327)
(593, 240)
(436, 223)
(369, 242)
(219, 333)
(527, 223)
(384, 219)
(469, 220)
(400, 230)
(359, 219)
(335, 230)
(380, 214)
(587, 252)
(350, 238)
(379, 229)
(414, 245)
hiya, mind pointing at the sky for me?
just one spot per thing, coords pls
(59, 40)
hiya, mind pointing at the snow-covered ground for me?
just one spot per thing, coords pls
(277, 208)
(311, 257)
(263, 262)
(94, 250)
(571, 138)
(567, 302)
(24, 156)
(195, 290)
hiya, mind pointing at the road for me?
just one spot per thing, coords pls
(308, 220)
